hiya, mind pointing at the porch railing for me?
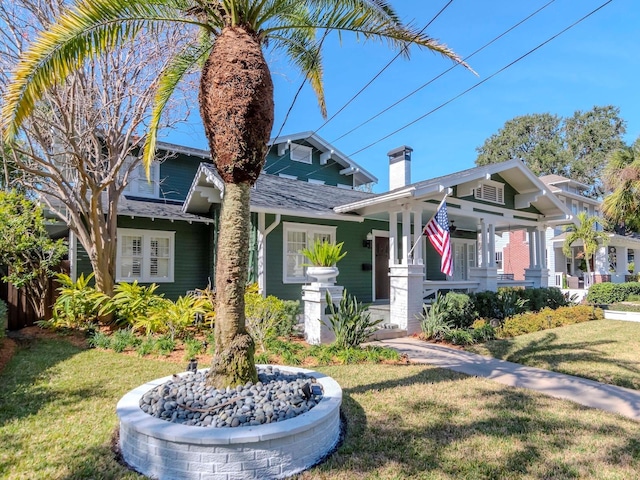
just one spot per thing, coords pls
(430, 287)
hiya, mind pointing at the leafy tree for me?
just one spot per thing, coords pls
(622, 179)
(235, 97)
(26, 249)
(79, 146)
(587, 233)
(575, 147)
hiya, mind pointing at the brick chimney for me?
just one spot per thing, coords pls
(399, 167)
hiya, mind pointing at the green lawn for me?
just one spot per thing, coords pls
(57, 417)
(604, 350)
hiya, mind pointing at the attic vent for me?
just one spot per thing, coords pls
(301, 153)
(491, 192)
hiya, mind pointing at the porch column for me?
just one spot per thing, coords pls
(492, 245)
(417, 234)
(483, 242)
(636, 261)
(622, 257)
(542, 236)
(532, 252)
(393, 238)
(406, 234)
(405, 303)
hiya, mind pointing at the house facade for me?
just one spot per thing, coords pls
(613, 261)
(167, 229)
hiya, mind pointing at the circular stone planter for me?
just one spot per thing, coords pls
(165, 450)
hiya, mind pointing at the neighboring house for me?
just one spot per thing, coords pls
(167, 230)
(613, 262)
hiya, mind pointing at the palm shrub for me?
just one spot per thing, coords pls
(172, 317)
(78, 304)
(433, 320)
(131, 301)
(350, 322)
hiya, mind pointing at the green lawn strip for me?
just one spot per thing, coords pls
(57, 415)
(607, 351)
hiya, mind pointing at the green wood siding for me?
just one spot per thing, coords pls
(192, 257)
(509, 197)
(329, 173)
(357, 281)
(176, 175)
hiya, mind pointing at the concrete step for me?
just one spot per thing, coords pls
(388, 334)
(379, 312)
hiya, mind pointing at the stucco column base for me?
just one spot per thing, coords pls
(539, 276)
(316, 316)
(487, 278)
(407, 282)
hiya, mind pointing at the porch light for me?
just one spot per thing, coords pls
(367, 242)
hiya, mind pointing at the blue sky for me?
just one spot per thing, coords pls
(597, 62)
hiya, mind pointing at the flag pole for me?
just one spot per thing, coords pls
(422, 232)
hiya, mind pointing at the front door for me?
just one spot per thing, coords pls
(382, 285)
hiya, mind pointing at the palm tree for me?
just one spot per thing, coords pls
(235, 97)
(587, 233)
(622, 179)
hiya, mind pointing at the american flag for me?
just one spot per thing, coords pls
(438, 232)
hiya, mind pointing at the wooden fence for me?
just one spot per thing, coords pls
(19, 311)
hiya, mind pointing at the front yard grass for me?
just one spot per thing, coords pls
(607, 351)
(57, 417)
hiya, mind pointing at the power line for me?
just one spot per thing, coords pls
(443, 73)
(368, 84)
(483, 81)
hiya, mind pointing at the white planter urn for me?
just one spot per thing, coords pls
(323, 275)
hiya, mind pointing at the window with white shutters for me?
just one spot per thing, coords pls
(301, 153)
(145, 255)
(491, 192)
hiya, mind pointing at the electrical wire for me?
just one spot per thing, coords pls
(473, 87)
(495, 39)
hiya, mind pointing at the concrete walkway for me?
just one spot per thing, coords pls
(586, 392)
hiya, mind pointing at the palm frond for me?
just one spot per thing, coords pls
(181, 65)
(90, 28)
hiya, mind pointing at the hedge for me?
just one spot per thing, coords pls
(605, 293)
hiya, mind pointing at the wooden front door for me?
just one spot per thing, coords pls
(382, 287)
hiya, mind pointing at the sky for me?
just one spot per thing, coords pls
(596, 62)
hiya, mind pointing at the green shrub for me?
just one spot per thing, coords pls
(78, 303)
(146, 346)
(485, 304)
(604, 293)
(165, 345)
(547, 318)
(131, 301)
(123, 339)
(458, 309)
(3, 318)
(539, 298)
(192, 348)
(460, 336)
(172, 317)
(262, 315)
(100, 340)
(350, 322)
(482, 331)
(433, 320)
(290, 311)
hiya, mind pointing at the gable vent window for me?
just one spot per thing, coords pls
(491, 192)
(301, 153)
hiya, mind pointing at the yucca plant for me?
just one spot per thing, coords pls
(350, 322)
(323, 254)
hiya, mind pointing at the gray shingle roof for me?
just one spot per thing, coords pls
(278, 193)
(157, 209)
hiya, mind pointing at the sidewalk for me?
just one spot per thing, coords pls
(585, 392)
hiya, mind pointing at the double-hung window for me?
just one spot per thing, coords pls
(138, 185)
(298, 236)
(145, 255)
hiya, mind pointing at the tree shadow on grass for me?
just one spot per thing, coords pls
(453, 436)
(545, 353)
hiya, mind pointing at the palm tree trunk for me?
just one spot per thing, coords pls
(233, 362)
(236, 105)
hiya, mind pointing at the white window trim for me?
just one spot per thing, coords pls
(303, 154)
(137, 175)
(146, 246)
(478, 192)
(309, 229)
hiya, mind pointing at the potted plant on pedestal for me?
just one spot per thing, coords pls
(323, 257)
